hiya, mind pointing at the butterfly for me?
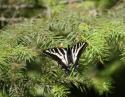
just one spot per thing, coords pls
(67, 57)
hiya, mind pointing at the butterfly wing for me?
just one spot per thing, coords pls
(76, 52)
(59, 55)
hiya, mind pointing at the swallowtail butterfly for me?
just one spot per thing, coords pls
(67, 56)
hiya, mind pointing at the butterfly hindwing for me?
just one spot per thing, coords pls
(59, 55)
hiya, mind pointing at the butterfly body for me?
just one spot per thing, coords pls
(67, 57)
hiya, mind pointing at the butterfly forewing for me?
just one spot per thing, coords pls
(59, 55)
(77, 50)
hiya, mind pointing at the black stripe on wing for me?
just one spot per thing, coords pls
(76, 51)
(59, 55)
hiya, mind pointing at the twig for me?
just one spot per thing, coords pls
(3, 19)
(22, 6)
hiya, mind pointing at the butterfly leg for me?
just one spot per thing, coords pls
(66, 69)
(67, 72)
(76, 66)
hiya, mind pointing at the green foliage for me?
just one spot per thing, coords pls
(25, 71)
(59, 91)
(101, 85)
